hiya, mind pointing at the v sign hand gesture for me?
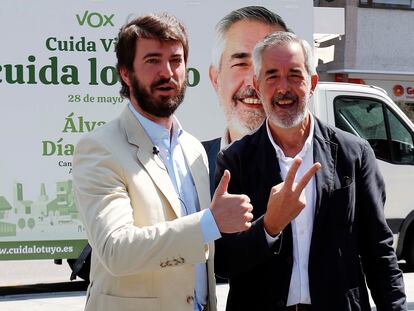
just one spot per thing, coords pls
(287, 199)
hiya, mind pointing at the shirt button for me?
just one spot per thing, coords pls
(190, 300)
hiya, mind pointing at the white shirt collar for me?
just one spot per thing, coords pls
(308, 142)
(158, 134)
(225, 139)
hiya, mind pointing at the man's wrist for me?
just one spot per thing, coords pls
(271, 239)
(270, 229)
(209, 226)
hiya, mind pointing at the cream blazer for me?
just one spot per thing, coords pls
(144, 249)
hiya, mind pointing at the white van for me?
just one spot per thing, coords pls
(368, 112)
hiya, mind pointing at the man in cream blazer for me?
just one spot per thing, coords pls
(144, 197)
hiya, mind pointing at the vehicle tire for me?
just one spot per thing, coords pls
(409, 250)
(83, 273)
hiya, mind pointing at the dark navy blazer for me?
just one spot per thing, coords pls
(212, 148)
(351, 242)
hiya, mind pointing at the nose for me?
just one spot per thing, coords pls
(248, 79)
(282, 85)
(166, 70)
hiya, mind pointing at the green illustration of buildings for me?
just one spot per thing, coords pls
(41, 214)
(6, 229)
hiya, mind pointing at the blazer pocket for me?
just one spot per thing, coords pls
(353, 299)
(343, 182)
(108, 302)
(343, 201)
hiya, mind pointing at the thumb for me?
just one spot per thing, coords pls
(224, 183)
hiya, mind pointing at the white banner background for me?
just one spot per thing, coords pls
(33, 113)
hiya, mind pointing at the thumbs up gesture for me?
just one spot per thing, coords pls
(231, 212)
(287, 199)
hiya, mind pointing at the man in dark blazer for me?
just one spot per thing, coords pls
(314, 249)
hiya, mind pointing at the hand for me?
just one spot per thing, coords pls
(287, 199)
(231, 212)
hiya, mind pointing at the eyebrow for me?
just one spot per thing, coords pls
(177, 55)
(240, 55)
(159, 55)
(273, 71)
(151, 55)
(296, 70)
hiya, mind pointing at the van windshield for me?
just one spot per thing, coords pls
(375, 122)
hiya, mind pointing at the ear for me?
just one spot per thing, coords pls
(314, 82)
(213, 74)
(124, 73)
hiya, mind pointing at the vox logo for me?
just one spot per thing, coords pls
(94, 19)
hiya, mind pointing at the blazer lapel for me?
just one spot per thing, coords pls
(270, 161)
(137, 136)
(270, 170)
(198, 170)
(324, 152)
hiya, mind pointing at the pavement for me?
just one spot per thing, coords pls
(69, 301)
(20, 288)
(74, 301)
(64, 301)
(40, 285)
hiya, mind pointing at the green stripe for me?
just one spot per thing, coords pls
(20, 250)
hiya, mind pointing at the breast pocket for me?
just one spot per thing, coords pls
(342, 201)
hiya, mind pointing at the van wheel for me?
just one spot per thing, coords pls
(409, 250)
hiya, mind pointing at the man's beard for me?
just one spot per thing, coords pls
(161, 107)
(250, 119)
(290, 118)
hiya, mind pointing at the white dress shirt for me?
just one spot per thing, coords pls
(302, 225)
(170, 152)
(225, 139)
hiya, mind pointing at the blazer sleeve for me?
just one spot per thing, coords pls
(384, 278)
(236, 253)
(102, 198)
